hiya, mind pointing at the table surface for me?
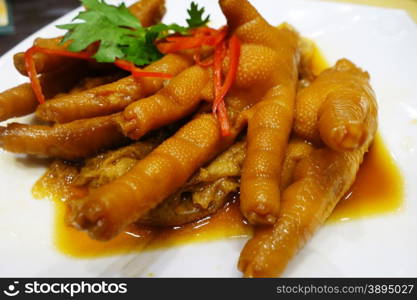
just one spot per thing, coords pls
(30, 16)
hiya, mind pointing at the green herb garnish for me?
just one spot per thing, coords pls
(196, 16)
(120, 34)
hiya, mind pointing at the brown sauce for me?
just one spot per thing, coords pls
(378, 190)
(228, 222)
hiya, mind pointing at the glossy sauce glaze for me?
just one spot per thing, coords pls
(378, 189)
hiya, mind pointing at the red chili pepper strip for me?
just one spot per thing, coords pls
(217, 72)
(205, 64)
(234, 50)
(200, 37)
(124, 65)
(223, 119)
(219, 107)
(137, 72)
(31, 67)
(214, 40)
(33, 75)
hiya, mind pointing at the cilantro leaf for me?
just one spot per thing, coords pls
(140, 51)
(105, 23)
(119, 15)
(196, 16)
(120, 34)
(161, 30)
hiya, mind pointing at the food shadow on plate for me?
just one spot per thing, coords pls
(33, 162)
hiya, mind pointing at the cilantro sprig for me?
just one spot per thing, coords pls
(196, 16)
(120, 34)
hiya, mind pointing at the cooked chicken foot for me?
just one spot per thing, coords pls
(78, 139)
(112, 97)
(320, 181)
(335, 108)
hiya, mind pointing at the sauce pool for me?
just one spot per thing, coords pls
(226, 223)
(378, 189)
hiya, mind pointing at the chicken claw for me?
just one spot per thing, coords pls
(275, 57)
(335, 108)
(320, 181)
(72, 141)
(110, 208)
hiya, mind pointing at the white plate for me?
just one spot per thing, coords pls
(383, 41)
